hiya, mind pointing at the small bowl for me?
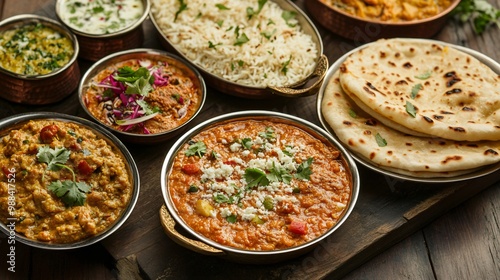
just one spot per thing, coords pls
(14, 182)
(143, 54)
(306, 87)
(197, 242)
(365, 30)
(94, 46)
(39, 89)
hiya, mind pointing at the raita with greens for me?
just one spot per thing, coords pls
(100, 16)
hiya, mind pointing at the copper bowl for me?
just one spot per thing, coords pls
(152, 54)
(364, 30)
(40, 89)
(17, 121)
(96, 46)
(306, 87)
(192, 240)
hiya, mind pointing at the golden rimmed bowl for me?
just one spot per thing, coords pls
(96, 46)
(45, 88)
(152, 54)
(305, 87)
(364, 30)
(175, 227)
(17, 121)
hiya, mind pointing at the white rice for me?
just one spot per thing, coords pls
(258, 62)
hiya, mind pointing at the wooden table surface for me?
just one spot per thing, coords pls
(399, 229)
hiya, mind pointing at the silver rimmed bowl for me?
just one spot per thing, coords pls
(187, 236)
(20, 196)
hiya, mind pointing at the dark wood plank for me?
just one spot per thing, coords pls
(470, 234)
(407, 259)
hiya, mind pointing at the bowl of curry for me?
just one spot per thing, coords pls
(65, 182)
(142, 95)
(367, 20)
(256, 187)
(38, 60)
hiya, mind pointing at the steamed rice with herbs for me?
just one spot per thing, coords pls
(253, 43)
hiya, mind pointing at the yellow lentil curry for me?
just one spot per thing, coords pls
(259, 185)
(60, 182)
(34, 49)
(143, 96)
(391, 11)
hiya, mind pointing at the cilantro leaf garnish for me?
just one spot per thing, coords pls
(247, 143)
(410, 109)
(183, 6)
(284, 68)
(268, 34)
(220, 198)
(289, 16)
(381, 142)
(251, 12)
(424, 76)
(414, 90)
(231, 219)
(212, 45)
(268, 134)
(199, 148)
(242, 39)
(221, 7)
(482, 14)
(279, 174)
(255, 177)
(304, 170)
(71, 192)
(53, 157)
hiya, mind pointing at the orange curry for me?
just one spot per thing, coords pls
(259, 185)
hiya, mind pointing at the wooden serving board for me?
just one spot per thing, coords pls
(387, 210)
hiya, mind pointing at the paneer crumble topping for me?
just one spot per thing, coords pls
(259, 185)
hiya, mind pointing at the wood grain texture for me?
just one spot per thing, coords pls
(387, 212)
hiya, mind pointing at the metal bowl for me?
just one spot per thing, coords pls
(143, 54)
(96, 46)
(196, 242)
(16, 121)
(306, 87)
(39, 89)
(365, 30)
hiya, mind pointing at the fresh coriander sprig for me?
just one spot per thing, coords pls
(71, 192)
(482, 14)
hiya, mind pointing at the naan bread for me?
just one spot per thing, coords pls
(414, 155)
(459, 100)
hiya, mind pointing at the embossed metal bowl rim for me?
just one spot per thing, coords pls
(381, 169)
(24, 19)
(259, 91)
(399, 23)
(305, 125)
(18, 120)
(129, 28)
(138, 53)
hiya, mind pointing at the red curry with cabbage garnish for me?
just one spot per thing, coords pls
(259, 185)
(142, 96)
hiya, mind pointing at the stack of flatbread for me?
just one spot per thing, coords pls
(416, 107)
